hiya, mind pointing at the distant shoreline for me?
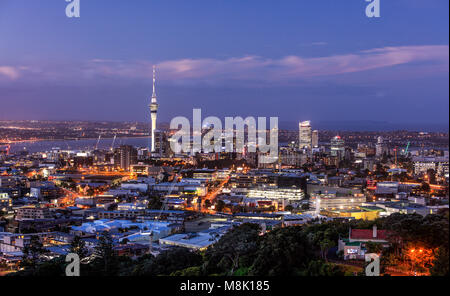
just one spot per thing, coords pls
(287, 125)
(74, 139)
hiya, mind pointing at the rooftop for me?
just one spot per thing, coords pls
(368, 234)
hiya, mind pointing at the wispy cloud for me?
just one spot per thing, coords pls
(296, 67)
(248, 68)
(11, 73)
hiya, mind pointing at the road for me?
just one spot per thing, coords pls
(211, 196)
(69, 198)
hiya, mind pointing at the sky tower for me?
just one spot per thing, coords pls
(153, 110)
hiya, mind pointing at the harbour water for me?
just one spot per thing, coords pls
(89, 144)
(82, 144)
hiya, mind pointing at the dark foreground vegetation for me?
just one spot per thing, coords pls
(300, 251)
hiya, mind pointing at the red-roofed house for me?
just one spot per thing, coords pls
(368, 235)
(354, 246)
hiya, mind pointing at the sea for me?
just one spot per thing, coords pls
(82, 144)
(103, 144)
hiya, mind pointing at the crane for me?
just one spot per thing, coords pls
(405, 152)
(98, 141)
(114, 141)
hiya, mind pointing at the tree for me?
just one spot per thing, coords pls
(374, 247)
(171, 262)
(282, 252)
(33, 252)
(325, 246)
(220, 205)
(421, 259)
(176, 259)
(320, 268)
(412, 233)
(78, 246)
(440, 263)
(105, 254)
(237, 247)
(190, 271)
(51, 268)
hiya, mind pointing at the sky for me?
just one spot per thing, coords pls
(319, 60)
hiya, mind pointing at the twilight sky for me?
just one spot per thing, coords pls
(320, 60)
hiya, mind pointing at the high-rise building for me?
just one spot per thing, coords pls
(142, 153)
(315, 139)
(338, 147)
(162, 144)
(153, 110)
(380, 147)
(305, 135)
(125, 156)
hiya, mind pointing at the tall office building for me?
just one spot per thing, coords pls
(380, 147)
(305, 135)
(162, 144)
(315, 139)
(338, 147)
(125, 156)
(153, 110)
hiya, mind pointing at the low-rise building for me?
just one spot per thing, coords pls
(155, 229)
(332, 200)
(5, 202)
(423, 164)
(141, 187)
(8, 182)
(387, 188)
(131, 206)
(196, 241)
(354, 247)
(32, 213)
(406, 207)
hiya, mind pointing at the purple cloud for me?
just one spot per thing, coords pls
(245, 69)
(295, 67)
(10, 73)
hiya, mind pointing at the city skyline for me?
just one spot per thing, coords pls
(226, 146)
(297, 68)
